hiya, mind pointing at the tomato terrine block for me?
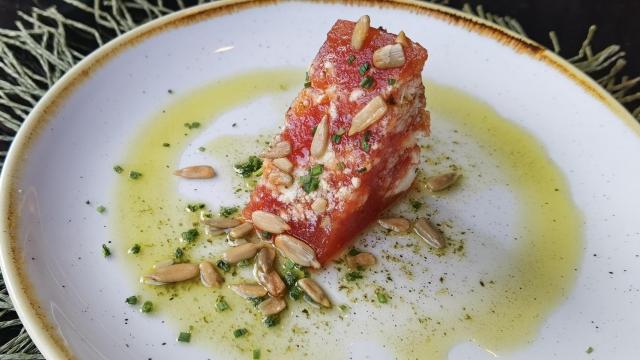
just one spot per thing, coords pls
(349, 144)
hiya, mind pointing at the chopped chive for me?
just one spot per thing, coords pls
(202, 148)
(190, 235)
(184, 337)
(255, 300)
(101, 209)
(309, 183)
(307, 81)
(221, 304)
(344, 308)
(256, 354)
(193, 125)
(415, 204)
(351, 59)
(295, 293)
(364, 68)
(589, 350)
(106, 252)
(249, 167)
(147, 307)
(135, 249)
(179, 253)
(366, 82)
(240, 332)
(226, 211)
(223, 265)
(364, 141)
(354, 252)
(316, 170)
(353, 276)
(391, 81)
(166, 145)
(194, 207)
(336, 138)
(131, 300)
(270, 321)
(118, 169)
(134, 175)
(382, 297)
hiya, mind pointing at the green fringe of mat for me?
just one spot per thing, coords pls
(45, 44)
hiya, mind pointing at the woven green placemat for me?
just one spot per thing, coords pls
(45, 44)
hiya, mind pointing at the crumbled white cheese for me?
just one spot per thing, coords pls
(355, 181)
(355, 95)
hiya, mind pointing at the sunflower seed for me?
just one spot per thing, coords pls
(212, 231)
(283, 164)
(296, 250)
(148, 281)
(277, 177)
(241, 252)
(429, 233)
(270, 280)
(269, 222)
(241, 230)
(196, 172)
(390, 56)
(403, 40)
(395, 224)
(174, 273)
(360, 32)
(314, 291)
(319, 205)
(222, 223)
(368, 115)
(362, 259)
(248, 291)
(278, 150)
(209, 276)
(442, 181)
(320, 139)
(272, 306)
(265, 259)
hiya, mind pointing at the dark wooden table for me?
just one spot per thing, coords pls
(617, 20)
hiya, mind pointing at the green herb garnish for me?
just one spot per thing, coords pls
(382, 297)
(101, 209)
(353, 276)
(194, 207)
(179, 253)
(135, 249)
(223, 265)
(247, 168)
(190, 235)
(366, 82)
(202, 148)
(226, 211)
(391, 81)
(415, 204)
(270, 321)
(184, 337)
(131, 300)
(244, 263)
(255, 300)
(316, 170)
(364, 68)
(147, 307)
(351, 59)
(295, 293)
(221, 304)
(166, 145)
(119, 169)
(589, 350)
(354, 252)
(256, 354)
(240, 332)
(134, 175)
(364, 141)
(307, 81)
(311, 182)
(106, 252)
(341, 166)
(193, 125)
(266, 235)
